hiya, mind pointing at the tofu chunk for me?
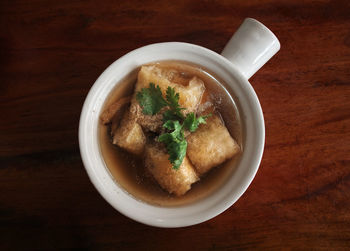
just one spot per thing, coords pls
(174, 181)
(210, 145)
(190, 94)
(128, 135)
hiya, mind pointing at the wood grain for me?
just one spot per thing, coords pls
(51, 52)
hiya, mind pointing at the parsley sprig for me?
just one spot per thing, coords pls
(151, 100)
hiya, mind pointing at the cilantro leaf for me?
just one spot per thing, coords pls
(172, 125)
(177, 152)
(166, 138)
(191, 123)
(175, 142)
(170, 115)
(172, 99)
(176, 135)
(151, 99)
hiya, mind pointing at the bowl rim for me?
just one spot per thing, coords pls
(171, 216)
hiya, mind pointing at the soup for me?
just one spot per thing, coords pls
(128, 169)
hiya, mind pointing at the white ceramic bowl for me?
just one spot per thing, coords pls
(250, 47)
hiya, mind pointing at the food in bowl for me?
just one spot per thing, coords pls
(170, 132)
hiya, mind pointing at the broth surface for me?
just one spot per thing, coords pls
(129, 172)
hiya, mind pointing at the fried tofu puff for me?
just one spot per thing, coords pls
(176, 181)
(190, 91)
(129, 135)
(210, 145)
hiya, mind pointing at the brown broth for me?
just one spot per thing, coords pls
(128, 170)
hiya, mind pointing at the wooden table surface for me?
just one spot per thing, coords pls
(51, 52)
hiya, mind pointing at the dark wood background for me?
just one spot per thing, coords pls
(51, 52)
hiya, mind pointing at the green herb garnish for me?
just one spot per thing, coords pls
(172, 99)
(175, 142)
(152, 101)
(191, 123)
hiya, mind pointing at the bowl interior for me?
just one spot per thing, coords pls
(253, 143)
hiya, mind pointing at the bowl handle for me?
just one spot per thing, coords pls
(252, 45)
